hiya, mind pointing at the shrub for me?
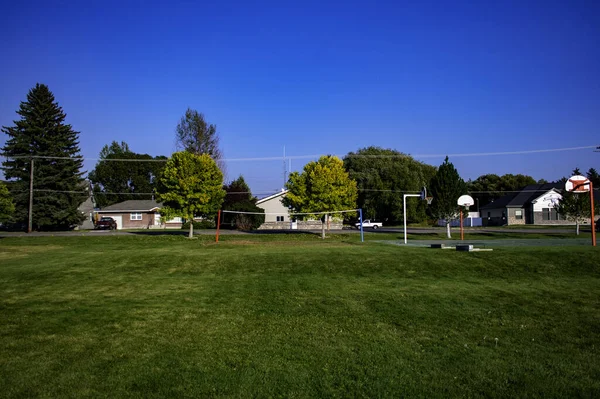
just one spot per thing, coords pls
(202, 224)
(241, 221)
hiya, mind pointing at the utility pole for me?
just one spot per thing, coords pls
(30, 225)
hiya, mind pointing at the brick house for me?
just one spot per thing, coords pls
(138, 214)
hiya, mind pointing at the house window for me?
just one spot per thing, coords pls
(549, 214)
(280, 218)
(545, 213)
(135, 216)
(519, 214)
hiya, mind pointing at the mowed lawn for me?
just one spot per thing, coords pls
(143, 316)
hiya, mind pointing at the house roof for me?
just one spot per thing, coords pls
(501, 202)
(523, 197)
(132, 205)
(270, 197)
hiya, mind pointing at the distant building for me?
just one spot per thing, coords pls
(87, 208)
(138, 214)
(275, 211)
(277, 216)
(535, 204)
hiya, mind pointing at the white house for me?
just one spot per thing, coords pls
(277, 216)
(534, 204)
(275, 211)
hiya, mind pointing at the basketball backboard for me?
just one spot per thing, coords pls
(465, 200)
(578, 184)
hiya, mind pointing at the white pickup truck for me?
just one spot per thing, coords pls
(369, 224)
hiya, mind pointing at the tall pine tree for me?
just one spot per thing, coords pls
(42, 135)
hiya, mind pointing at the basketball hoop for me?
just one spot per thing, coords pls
(578, 184)
(429, 200)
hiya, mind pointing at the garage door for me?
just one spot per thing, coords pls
(119, 220)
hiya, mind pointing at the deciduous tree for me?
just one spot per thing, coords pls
(194, 134)
(41, 134)
(130, 176)
(190, 185)
(383, 176)
(576, 206)
(489, 187)
(446, 186)
(323, 186)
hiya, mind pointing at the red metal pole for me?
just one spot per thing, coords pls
(218, 224)
(462, 235)
(593, 221)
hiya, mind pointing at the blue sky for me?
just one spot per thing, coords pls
(433, 77)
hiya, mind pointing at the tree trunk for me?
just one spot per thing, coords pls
(191, 235)
(323, 230)
(448, 230)
(577, 226)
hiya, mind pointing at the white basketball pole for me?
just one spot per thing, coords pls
(404, 199)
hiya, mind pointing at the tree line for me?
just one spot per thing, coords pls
(43, 147)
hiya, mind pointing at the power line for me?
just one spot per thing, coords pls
(271, 192)
(313, 156)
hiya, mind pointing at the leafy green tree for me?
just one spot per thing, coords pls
(41, 134)
(193, 134)
(323, 186)
(117, 181)
(7, 207)
(239, 198)
(190, 185)
(446, 186)
(383, 176)
(489, 187)
(576, 206)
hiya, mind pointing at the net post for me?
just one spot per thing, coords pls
(218, 225)
(362, 237)
(592, 212)
(404, 216)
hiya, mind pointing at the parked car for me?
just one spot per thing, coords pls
(369, 224)
(105, 223)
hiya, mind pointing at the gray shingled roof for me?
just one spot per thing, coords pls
(133, 205)
(524, 197)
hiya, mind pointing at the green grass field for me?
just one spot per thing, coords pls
(292, 316)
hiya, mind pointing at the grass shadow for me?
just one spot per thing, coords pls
(284, 232)
(160, 232)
